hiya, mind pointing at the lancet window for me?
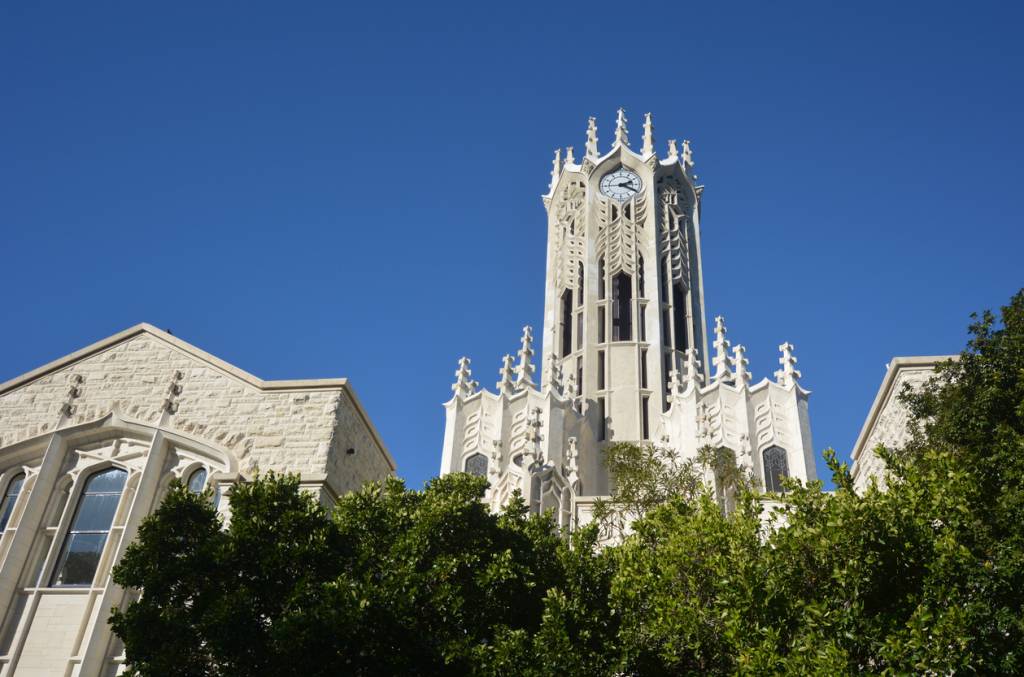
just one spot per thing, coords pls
(679, 317)
(197, 481)
(83, 546)
(622, 302)
(477, 465)
(776, 467)
(566, 322)
(10, 498)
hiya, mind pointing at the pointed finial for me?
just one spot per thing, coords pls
(673, 152)
(556, 168)
(570, 159)
(788, 375)
(592, 138)
(740, 361)
(675, 385)
(464, 385)
(555, 373)
(691, 373)
(570, 389)
(648, 148)
(621, 133)
(687, 155)
(525, 369)
(506, 386)
(722, 361)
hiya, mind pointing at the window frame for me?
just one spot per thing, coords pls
(70, 531)
(8, 503)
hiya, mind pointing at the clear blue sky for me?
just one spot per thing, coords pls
(352, 189)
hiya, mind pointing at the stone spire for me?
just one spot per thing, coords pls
(464, 384)
(570, 159)
(506, 386)
(687, 156)
(722, 361)
(525, 369)
(621, 133)
(591, 138)
(673, 152)
(648, 148)
(556, 168)
(691, 373)
(788, 375)
(740, 361)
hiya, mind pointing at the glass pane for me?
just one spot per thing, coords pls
(109, 480)
(95, 512)
(5, 511)
(477, 465)
(79, 560)
(196, 481)
(14, 488)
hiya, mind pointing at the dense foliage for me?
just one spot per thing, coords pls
(924, 577)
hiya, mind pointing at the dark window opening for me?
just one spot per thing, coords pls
(579, 330)
(602, 427)
(566, 322)
(622, 302)
(640, 277)
(579, 374)
(600, 324)
(600, 280)
(679, 317)
(646, 418)
(477, 465)
(579, 285)
(600, 370)
(643, 368)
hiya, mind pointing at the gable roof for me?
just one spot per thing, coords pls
(294, 385)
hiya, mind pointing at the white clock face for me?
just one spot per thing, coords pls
(622, 184)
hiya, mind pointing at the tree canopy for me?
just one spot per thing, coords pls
(926, 576)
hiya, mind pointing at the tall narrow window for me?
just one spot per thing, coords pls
(679, 317)
(535, 489)
(776, 467)
(197, 480)
(646, 422)
(640, 276)
(566, 322)
(666, 275)
(579, 284)
(601, 324)
(642, 317)
(666, 328)
(643, 368)
(579, 329)
(579, 375)
(600, 279)
(83, 546)
(10, 498)
(476, 465)
(600, 370)
(602, 425)
(622, 302)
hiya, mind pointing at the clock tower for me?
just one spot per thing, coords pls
(624, 345)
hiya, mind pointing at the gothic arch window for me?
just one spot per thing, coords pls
(10, 498)
(776, 467)
(476, 464)
(566, 322)
(197, 480)
(679, 317)
(84, 543)
(622, 302)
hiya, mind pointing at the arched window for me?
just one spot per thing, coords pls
(679, 317)
(775, 468)
(83, 545)
(518, 460)
(476, 465)
(10, 498)
(197, 480)
(622, 304)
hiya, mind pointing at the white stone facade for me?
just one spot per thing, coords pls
(888, 419)
(147, 407)
(624, 344)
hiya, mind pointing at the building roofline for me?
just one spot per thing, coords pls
(289, 385)
(895, 365)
